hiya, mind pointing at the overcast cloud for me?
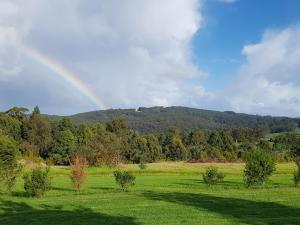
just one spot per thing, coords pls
(135, 53)
(130, 53)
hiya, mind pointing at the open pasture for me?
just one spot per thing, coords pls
(164, 193)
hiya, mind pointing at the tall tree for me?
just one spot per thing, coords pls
(173, 147)
(37, 131)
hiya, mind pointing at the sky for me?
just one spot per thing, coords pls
(71, 56)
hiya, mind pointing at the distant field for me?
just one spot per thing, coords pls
(165, 193)
(272, 135)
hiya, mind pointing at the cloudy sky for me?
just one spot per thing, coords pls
(70, 56)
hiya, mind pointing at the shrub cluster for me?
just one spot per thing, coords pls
(259, 167)
(37, 182)
(124, 179)
(212, 176)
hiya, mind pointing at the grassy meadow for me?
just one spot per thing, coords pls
(273, 135)
(164, 193)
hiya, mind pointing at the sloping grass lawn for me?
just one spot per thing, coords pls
(165, 193)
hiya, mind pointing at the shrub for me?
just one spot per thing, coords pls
(124, 179)
(37, 182)
(78, 172)
(143, 166)
(297, 173)
(9, 167)
(212, 176)
(259, 167)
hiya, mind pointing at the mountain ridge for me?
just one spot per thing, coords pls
(157, 119)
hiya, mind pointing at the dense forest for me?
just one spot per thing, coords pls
(58, 140)
(159, 119)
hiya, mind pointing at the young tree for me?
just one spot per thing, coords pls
(212, 176)
(37, 182)
(9, 167)
(78, 172)
(259, 167)
(124, 179)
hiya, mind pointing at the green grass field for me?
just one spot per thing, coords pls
(165, 193)
(272, 135)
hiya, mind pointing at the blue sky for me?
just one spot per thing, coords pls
(228, 27)
(74, 56)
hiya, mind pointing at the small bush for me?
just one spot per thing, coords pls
(124, 179)
(259, 167)
(78, 172)
(212, 176)
(143, 166)
(37, 182)
(297, 173)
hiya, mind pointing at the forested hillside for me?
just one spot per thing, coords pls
(112, 142)
(158, 119)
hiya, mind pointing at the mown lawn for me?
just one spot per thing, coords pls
(165, 193)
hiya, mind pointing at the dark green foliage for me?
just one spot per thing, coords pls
(297, 173)
(63, 147)
(144, 148)
(10, 126)
(124, 179)
(37, 131)
(212, 176)
(158, 119)
(259, 167)
(37, 182)
(116, 142)
(100, 147)
(173, 146)
(9, 167)
(117, 126)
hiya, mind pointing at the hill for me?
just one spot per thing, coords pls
(158, 119)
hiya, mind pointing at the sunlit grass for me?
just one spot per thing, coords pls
(165, 193)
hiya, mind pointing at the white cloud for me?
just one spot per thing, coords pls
(269, 81)
(131, 52)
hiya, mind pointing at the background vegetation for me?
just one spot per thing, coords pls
(58, 141)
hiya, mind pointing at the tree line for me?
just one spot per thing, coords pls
(59, 141)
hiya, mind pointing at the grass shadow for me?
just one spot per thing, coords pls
(12, 213)
(104, 188)
(54, 188)
(239, 210)
(224, 184)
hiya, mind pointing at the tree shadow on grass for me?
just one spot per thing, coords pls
(224, 184)
(12, 213)
(238, 210)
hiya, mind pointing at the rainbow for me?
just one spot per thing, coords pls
(64, 73)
